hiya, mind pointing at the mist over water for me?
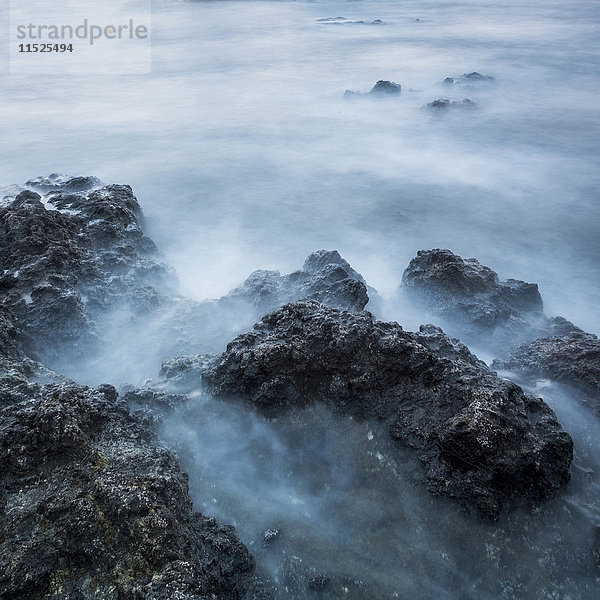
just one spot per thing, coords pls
(348, 504)
(244, 155)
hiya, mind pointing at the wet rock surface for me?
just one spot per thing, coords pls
(481, 440)
(183, 373)
(572, 359)
(93, 507)
(471, 297)
(325, 277)
(68, 257)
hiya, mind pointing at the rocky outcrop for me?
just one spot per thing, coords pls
(447, 103)
(471, 300)
(467, 78)
(572, 359)
(70, 255)
(183, 374)
(93, 507)
(481, 439)
(325, 277)
(381, 88)
(76, 267)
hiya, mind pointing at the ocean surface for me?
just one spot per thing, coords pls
(244, 154)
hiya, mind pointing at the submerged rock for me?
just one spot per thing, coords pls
(57, 182)
(386, 87)
(344, 21)
(572, 359)
(270, 535)
(481, 440)
(473, 77)
(152, 399)
(473, 301)
(93, 507)
(381, 88)
(446, 103)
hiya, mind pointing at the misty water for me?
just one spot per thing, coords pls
(245, 155)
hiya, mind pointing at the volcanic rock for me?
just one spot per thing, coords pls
(481, 440)
(381, 88)
(325, 277)
(572, 359)
(471, 300)
(473, 77)
(93, 507)
(70, 256)
(446, 103)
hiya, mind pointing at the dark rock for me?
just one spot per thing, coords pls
(473, 77)
(481, 439)
(386, 87)
(325, 277)
(9, 333)
(319, 582)
(572, 359)
(381, 88)
(596, 546)
(344, 21)
(184, 373)
(92, 507)
(58, 182)
(69, 258)
(152, 399)
(471, 300)
(447, 103)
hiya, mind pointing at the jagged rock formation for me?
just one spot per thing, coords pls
(68, 257)
(481, 439)
(573, 359)
(183, 374)
(91, 506)
(471, 300)
(325, 277)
